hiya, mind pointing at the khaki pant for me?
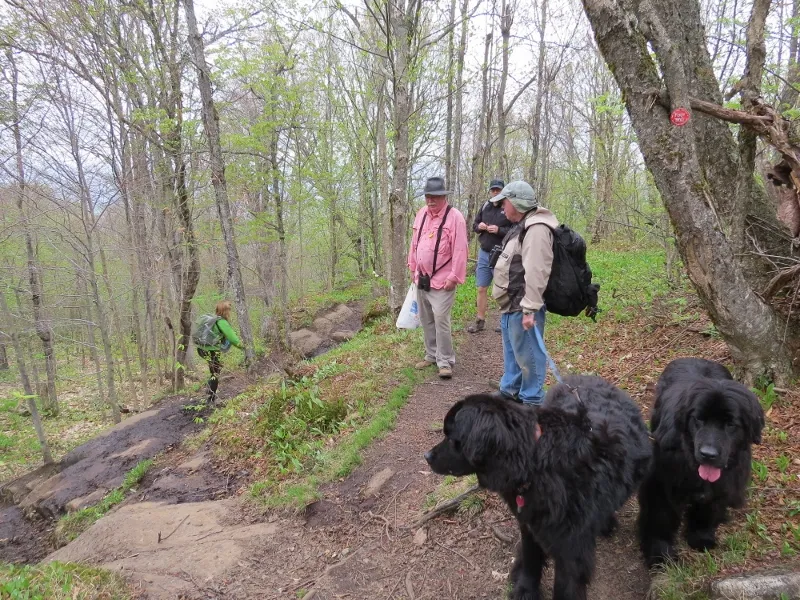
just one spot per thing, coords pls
(434, 315)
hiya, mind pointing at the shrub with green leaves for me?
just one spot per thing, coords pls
(60, 581)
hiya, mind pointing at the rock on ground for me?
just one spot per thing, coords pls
(339, 315)
(323, 326)
(378, 481)
(757, 587)
(343, 335)
(305, 341)
(101, 463)
(197, 545)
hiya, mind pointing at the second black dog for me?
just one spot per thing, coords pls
(703, 423)
(563, 469)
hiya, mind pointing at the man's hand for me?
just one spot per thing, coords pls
(482, 226)
(449, 285)
(528, 321)
(492, 228)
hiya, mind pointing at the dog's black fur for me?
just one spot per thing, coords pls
(590, 457)
(701, 418)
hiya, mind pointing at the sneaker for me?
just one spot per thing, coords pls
(477, 326)
(445, 372)
(423, 364)
(498, 330)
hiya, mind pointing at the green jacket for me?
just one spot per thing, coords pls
(228, 333)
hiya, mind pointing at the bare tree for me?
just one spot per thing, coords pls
(43, 328)
(401, 20)
(8, 332)
(693, 166)
(211, 123)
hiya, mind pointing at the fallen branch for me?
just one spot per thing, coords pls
(502, 536)
(384, 520)
(442, 508)
(457, 553)
(160, 539)
(409, 587)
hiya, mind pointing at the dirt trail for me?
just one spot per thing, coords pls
(350, 544)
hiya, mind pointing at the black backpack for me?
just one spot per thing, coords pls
(570, 290)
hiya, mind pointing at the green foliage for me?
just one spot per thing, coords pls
(294, 418)
(760, 471)
(341, 459)
(375, 309)
(61, 581)
(783, 462)
(756, 526)
(766, 393)
(449, 488)
(79, 419)
(680, 581)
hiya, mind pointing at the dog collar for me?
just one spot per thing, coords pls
(520, 499)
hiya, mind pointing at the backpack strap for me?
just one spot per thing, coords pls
(524, 230)
(421, 225)
(438, 240)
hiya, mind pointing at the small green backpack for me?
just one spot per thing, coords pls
(205, 334)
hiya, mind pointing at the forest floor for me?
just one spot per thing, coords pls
(191, 529)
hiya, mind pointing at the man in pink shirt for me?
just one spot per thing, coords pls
(437, 259)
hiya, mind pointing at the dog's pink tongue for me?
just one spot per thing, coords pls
(709, 473)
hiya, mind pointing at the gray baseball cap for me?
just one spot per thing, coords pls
(520, 194)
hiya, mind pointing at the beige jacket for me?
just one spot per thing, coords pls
(521, 273)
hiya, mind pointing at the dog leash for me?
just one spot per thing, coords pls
(552, 364)
(550, 361)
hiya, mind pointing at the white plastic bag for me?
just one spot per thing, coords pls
(409, 314)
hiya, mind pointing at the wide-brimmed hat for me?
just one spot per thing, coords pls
(496, 184)
(434, 186)
(520, 194)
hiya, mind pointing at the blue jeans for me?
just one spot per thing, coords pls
(524, 363)
(483, 272)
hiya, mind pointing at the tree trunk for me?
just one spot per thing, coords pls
(283, 255)
(506, 20)
(398, 197)
(459, 100)
(115, 320)
(383, 166)
(217, 162)
(535, 172)
(451, 89)
(124, 174)
(30, 396)
(83, 292)
(3, 356)
(42, 324)
(689, 165)
(479, 155)
(788, 97)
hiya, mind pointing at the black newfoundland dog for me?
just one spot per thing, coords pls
(563, 469)
(703, 423)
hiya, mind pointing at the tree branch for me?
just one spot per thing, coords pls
(518, 94)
